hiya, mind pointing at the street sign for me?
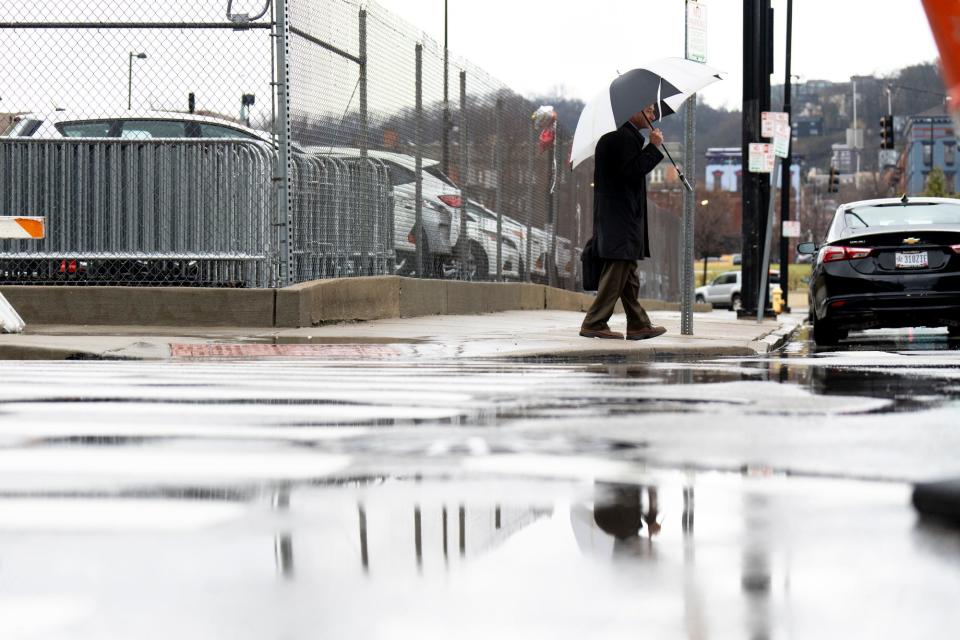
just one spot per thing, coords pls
(770, 119)
(790, 229)
(855, 138)
(696, 31)
(762, 157)
(888, 158)
(781, 139)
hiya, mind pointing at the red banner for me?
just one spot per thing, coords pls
(944, 17)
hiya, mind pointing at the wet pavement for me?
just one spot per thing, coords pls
(416, 496)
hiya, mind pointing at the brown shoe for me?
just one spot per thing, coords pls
(644, 334)
(601, 333)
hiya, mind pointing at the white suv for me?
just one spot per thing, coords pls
(724, 291)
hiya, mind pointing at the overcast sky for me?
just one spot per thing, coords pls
(580, 45)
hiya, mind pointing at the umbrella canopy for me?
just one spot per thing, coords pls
(666, 83)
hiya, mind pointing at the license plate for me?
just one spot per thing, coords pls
(912, 259)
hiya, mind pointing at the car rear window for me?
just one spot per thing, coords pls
(90, 129)
(902, 214)
(434, 170)
(22, 128)
(219, 131)
(146, 129)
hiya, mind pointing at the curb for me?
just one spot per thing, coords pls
(777, 338)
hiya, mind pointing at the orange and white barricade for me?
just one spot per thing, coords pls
(17, 228)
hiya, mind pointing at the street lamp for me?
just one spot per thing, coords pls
(141, 56)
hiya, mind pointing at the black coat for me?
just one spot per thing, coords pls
(620, 194)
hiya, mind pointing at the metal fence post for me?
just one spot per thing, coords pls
(364, 122)
(421, 235)
(464, 172)
(553, 273)
(498, 161)
(284, 216)
(531, 196)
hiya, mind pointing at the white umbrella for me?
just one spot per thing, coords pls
(667, 83)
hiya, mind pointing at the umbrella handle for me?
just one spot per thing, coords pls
(682, 177)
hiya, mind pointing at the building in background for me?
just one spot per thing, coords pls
(724, 170)
(929, 141)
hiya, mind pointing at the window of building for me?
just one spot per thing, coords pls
(949, 154)
(927, 154)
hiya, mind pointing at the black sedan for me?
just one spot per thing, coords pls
(887, 263)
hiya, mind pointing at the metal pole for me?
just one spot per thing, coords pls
(364, 118)
(554, 205)
(445, 134)
(786, 176)
(284, 220)
(689, 200)
(531, 197)
(765, 263)
(499, 169)
(421, 234)
(464, 171)
(130, 83)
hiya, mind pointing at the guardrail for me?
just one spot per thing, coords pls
(188, 212)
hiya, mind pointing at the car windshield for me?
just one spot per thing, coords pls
(881, 215)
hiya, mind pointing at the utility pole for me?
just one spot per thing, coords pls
(757, 66)
(689, 198)
(786, 175)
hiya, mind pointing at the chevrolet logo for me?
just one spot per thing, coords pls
(911, 240)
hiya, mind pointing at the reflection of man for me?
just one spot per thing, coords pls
(623, 160)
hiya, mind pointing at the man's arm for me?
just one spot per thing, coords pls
(638, 165)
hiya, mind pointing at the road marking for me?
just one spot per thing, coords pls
(340, 351)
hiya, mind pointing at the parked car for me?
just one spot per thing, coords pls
(440, 211)
(724, 290)
(480, 251)
(892, 262)
(136, 125)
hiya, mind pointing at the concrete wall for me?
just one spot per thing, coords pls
(302, 305)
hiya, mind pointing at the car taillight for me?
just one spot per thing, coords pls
(835, 254)
(955, 247)
(68, 266)
(451, 200)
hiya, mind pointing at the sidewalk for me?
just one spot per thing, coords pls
(508, 334)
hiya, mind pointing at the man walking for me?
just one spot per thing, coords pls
(623, 160)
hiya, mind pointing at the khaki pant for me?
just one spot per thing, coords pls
(618, 280)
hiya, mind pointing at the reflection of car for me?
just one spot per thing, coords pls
(724, 291)
(130, 125)
(887, 263)
(440, 211)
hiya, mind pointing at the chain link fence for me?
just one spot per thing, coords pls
(267, 142)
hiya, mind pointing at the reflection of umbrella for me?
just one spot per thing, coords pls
(666, 83)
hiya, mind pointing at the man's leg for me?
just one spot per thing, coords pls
(611, 283)
(637, 317)
(639, 326)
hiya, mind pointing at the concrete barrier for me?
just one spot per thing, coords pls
(146, 306)
(303, 305)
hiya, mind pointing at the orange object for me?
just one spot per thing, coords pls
(32, 226)
(944, 17)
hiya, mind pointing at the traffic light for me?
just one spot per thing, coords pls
(886, 132)
(833, 185)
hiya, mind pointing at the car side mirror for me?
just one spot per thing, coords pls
(807, 248)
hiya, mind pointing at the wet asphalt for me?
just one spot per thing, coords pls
(402, 497)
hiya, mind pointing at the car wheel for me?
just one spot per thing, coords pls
(474, 264)
(735, 302)
(825, 334)
(700, 300)
(425, 267)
